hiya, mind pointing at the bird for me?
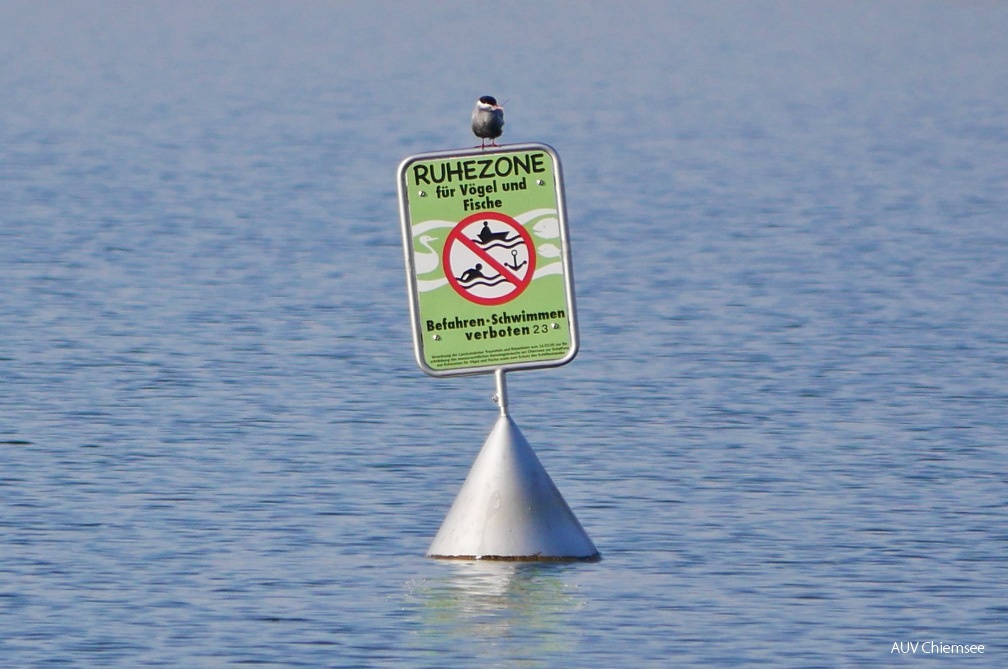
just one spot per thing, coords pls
(487, 120)
(426, 262)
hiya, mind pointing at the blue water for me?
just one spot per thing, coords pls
(786, 428)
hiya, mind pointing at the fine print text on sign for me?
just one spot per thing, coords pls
(487, 259)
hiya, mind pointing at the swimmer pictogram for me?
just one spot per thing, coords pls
(489, 258)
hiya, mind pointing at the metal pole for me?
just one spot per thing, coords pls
(501, 397)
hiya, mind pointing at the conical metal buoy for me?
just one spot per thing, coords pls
(508, 507)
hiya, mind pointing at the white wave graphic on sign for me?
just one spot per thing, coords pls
(429, 238)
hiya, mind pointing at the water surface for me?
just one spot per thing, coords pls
(785, 430)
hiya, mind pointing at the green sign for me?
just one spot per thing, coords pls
(487, 259)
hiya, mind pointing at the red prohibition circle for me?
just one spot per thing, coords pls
(520, 283)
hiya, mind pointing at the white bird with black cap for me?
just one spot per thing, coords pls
(487, 120)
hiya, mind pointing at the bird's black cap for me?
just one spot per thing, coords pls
(489, 100)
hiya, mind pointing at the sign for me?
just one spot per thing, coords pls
(487, 259)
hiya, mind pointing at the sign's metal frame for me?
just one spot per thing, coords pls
(411, 276)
